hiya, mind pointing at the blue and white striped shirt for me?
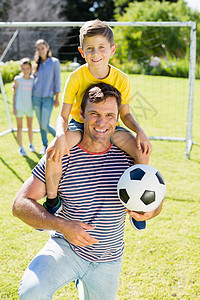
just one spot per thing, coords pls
(88, 189)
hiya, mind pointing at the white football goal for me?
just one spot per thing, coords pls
(162, 105)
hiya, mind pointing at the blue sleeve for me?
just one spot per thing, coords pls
(57, 80)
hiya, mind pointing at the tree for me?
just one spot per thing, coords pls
(83, 10)
(133, 42)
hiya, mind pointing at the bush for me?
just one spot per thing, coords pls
(9, 70)
(166, 66)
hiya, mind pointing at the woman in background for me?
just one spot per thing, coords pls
(46, 71)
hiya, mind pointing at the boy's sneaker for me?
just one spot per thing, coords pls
(21, 151)
(43, 150)
(31, 148)
(138, 225)
(54, 210)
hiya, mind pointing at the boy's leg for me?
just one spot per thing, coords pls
(53, 267)
(126, 141)
(54, 169)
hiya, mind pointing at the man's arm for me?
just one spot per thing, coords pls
(26, 208)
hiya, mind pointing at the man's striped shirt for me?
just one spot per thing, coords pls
(88, 189)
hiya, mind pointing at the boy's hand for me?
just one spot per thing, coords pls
(14, 111)
(143, 142)
(60, 148)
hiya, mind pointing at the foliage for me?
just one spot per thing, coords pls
(9, 70)
(139, 44)
(162, 66)
(4, 6)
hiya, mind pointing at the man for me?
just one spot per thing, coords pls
(87, 243)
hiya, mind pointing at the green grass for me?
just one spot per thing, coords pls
(160, 263)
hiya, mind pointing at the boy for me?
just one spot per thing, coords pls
(96, 47)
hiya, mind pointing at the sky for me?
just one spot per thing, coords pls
(193, 4)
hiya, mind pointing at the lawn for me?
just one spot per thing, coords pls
(160, 263)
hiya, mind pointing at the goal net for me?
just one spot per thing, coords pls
(162, 103)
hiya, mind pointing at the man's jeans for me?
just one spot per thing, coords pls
(43, 108)
(57, 264)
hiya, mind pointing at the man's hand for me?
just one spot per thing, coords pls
(60, 147)
(143, 142)
(146, 215)
(75, 233)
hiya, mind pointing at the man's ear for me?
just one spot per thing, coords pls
(81, 52)
(82, 115)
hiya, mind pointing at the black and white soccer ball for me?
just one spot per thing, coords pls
(141, 188)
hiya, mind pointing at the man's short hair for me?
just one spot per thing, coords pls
(100, 92)
(96, 27)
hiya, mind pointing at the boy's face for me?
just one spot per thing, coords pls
(97, 51)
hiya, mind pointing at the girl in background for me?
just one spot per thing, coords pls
(22, 102)
(46, 71)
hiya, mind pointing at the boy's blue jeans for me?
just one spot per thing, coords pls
(57, 264)
(43, 108)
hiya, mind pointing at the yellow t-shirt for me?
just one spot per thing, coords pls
(79, 80)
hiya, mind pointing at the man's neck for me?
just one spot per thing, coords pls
(94, 147)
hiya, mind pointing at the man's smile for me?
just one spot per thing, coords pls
(100, 130)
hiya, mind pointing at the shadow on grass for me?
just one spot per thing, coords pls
(181, 200)
(12, 170)
(193, 148)
(30, 162)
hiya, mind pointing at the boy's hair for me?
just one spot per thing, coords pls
(25, 61)
(100, 92)
(96, 27)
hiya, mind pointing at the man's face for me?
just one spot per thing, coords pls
(100, 120)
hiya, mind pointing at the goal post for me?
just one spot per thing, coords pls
(188, 138)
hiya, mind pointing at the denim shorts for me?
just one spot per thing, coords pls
(75, 126)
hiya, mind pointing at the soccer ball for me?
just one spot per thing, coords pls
(141, 188)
